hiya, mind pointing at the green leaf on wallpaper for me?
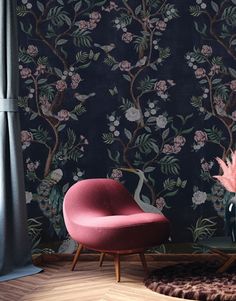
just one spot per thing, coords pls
(21, 10)
(40, 6)
(61, 42)
(126, 76)
(71, 138)
(58, 72)
(144, 143)
(215, 6)
(81, 56)
(165, 133)
(138, 9)
(234, 1)
(201, 31)
(232, 72)
(42, 81)
(73, 116)
(171, 193)
(24, 57)
(196, 101)
(114, 157)
(27, 31)
(108, 138)
(203, 81)
(155, 147)
(61, 127)
(214, 135)
(229, 15)
(216, 81)
(128, 134)
(169, 184)
(222, 91)
(195, 10)
(60, 2)
(77, 6)
(82, 38)
(169, 165)
(29, 81)
(40, 134)
(149, 169)
(33, 116)
(100, 3)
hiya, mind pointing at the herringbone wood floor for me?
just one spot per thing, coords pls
(87, 283)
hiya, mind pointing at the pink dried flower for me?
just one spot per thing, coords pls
(228, 179)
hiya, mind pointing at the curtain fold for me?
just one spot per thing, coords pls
(15, 254)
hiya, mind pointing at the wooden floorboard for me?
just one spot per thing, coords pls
(87, 283)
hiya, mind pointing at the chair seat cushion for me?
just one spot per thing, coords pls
(121, 232)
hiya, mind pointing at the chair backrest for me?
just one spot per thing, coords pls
(98, 197)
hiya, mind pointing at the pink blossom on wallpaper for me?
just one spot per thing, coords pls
(233, 85)
(206, 50)
(161, 25)
(95, 16)
(168, 149)
(160, 86)
(125, 65)
(127, 37)
(26, 136)
(91, 25)
(25, 72)
(116, 174)
(32, 50)
(63, 115)
(215, 69)
(200, 137)
(179, 140)
(82, 24)
(233, 115)
(112, 5)
(200, 72)
(160, 203)
(61, 85)
(40, 69)
(75, 80)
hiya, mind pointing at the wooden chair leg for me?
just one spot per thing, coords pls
(76, 257)
(117, 266)
(144, 263)
(102, 256)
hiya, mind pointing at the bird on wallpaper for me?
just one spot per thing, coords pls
(83, 97)
(145, 206)
(141, 62)
(106, 48)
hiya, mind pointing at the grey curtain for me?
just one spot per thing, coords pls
(15, 255)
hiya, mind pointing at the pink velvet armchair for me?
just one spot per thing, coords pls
(101, 215)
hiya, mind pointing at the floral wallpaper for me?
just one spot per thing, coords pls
(143, 92)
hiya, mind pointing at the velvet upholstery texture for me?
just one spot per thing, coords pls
(102, 215)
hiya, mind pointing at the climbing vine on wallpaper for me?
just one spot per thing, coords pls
(104, 78)
(52, 97)
(150, 139)
(215, 102)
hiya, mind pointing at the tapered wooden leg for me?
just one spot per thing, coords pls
(144, 263)
(102, 256)
(117, 266)
(76, 257)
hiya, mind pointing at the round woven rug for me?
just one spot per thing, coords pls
(194, 281)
